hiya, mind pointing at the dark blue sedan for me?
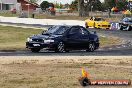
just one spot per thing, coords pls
(63, 39)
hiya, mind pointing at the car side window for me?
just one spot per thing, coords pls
(74, 30)
(83, 31)
(61, 30)
(91, 18)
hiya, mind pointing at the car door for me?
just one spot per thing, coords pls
(73, 38)
(84, 36)
(92, 22)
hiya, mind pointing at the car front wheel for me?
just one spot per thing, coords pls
(60, 47)
(91, 47)
(35, 50)
(120, 27)
(129, 28)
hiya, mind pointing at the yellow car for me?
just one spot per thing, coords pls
(97, 22)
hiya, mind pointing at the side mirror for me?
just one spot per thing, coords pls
(94, 32)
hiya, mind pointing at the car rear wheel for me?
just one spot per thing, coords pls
(60, 47)
(91, 47)
(86, 25)
(35, 50)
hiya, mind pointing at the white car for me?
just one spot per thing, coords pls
(125, 24)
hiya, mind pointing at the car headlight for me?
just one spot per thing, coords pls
(29, 40)
(125, 23)
(48, 41)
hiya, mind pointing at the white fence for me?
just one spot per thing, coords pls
(48, 21)
(41, 21)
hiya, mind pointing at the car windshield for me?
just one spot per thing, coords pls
(56, 30)
(99, 19)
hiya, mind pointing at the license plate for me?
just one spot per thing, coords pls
(36, 45)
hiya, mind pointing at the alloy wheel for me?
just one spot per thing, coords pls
(61, 47)
(91, 47)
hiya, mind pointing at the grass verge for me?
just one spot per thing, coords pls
(8, 14)
(14, 38)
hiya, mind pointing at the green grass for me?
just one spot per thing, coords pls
(106, 41)
(60, 17)
(8, 14)
(14, 38)
(45, 16)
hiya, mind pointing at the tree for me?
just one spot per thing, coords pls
(57, 5)
(85, 6)
(121, 5)
(61, 5)
(115, 3)
(104, 6)
(110, 3)
(74, 5)
(97, 5)
(66, 5)
(44, 5)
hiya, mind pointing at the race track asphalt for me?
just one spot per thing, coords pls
(124, 49)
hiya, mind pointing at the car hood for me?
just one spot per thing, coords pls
(45, 36)
(92, 35)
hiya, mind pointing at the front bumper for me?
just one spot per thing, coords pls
(125, 25)
(104, 26)
(50, 46)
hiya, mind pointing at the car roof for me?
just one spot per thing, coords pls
(68, 26)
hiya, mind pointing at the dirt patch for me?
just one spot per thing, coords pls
(61, 72)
